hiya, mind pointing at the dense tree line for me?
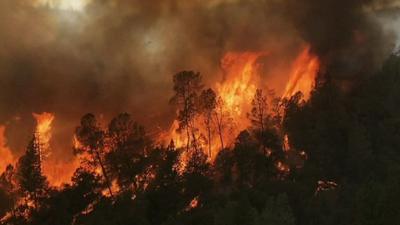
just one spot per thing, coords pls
(342, 166)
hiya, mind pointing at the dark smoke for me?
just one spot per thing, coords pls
(119, 56)
(345, 34)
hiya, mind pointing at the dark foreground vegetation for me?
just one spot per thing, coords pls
(349, 173)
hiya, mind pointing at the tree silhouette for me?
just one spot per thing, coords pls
(30, 178)
(128, 144)
(92, 142)
(222, 119)
(187, 85)
(8, 190)
(266, 119)
(208, 102)
(259, 110)
(351, 174)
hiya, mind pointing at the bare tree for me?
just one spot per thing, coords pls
(187, 85)
(221, 119)
(259, 110)
(259, 115)
(207, 107)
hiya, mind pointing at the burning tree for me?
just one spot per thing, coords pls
(208, 103)
(30, 178)
(91, 140)
(43, 133)
(128, 145)
(187, 85)
(222, 119)
(8, 190)
(262, 116)
(259, 111)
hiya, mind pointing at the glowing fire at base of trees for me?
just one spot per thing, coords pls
(209, 129)
(5, 152)
(120, 161)
(233, 101)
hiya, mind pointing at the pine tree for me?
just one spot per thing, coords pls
(31, 180)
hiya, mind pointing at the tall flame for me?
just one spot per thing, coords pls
(5, 152)
(43, 130)
(240, 83)
(236, 92)
(57, 172)
(303, 75)
(241, 80)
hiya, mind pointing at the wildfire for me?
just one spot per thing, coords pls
(303, 74)
(238, 87)
(286, 143)
(282, 167)
(194, 203)
(325, 186)
(240, 83)
(59, 172)
(241, 72)
(56, 171)
(5, 152)
(43, 131)
(178, 139)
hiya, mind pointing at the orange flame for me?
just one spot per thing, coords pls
(282, 167)
(5, 152)
(43, 131)
(236, 92)
(241, 80)
(303, 74)
(194, 203)
(57, 171)
(239, 87)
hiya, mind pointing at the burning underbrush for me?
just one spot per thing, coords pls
(211, 119)
(232, 147)
(208, 119)
(232, 115)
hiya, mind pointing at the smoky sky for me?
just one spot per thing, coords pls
(119, 56)
(350, 41)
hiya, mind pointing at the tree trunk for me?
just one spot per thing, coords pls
(103, 170)
(188, 138)
(194, 141)
(209, 140)
(220, 135)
